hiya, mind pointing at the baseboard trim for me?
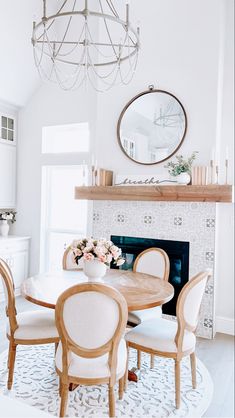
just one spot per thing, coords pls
(225, 325)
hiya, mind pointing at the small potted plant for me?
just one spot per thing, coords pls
(181, 168)
(96, 256)
(4, 218)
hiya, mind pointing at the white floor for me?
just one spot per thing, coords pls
(217, 355)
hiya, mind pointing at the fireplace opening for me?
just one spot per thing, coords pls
(177, 251)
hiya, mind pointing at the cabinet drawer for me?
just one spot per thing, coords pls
(12, 246)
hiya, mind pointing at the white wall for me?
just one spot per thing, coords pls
(18, 73)
(186, 50)
(179, 53)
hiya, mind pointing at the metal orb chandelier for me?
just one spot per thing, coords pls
(79, 44)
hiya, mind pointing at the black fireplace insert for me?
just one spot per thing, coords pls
(177, 251)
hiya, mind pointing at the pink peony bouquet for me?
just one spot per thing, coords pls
(105, 251)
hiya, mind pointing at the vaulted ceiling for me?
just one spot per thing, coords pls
(18, 75)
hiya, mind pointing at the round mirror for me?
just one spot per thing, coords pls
(152, 127)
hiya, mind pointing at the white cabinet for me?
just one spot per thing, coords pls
(7, 175)
(15, 251)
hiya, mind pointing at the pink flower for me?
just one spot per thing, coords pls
(100, 250)
(109, 258)
(102, 258)
(116, 252)
(88, 256)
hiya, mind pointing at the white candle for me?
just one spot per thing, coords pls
(92, 160)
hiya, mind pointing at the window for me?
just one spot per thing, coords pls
(129, 147)
(7, 128)
(65, 138)
(63, 218)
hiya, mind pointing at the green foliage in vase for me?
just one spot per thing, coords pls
(181, 165)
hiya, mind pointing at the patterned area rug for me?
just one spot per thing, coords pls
(36, 383)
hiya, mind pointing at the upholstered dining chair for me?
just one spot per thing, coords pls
(91, 320)
(153, 261)
(68, 262)
(174, 339)
(26, 328)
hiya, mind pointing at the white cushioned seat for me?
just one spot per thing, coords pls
(137, 317)
(35, 325)
(93, 367)
(159, 335)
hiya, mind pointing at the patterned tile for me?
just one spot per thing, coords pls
(96, 217)
(210, 256)
(208, 323)
(210, 223)
(209, 290)
(177, 221)
(120, 218)
(148, 219)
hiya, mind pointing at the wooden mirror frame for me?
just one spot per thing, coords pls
(150, 91)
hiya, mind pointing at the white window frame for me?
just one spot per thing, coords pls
(8, 115)
(44, 225)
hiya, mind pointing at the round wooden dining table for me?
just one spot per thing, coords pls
(140, 290)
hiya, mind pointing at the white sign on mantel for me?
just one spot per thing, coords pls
(142, 180)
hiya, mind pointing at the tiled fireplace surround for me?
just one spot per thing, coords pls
(191, 222)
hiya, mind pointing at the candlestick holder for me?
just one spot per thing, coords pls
(93, 175)
(217, 174)
(212, 171)
(96, 175)
(226, 171)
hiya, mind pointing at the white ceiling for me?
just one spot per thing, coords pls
(18, 75)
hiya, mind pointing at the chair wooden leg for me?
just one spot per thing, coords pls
(152, 362)
(11, 363)
(64, 399)
(121, 387)
(126, 372)
(111, 402)
(138, 359)
(60, 386)
(177, 384)
(193, 370)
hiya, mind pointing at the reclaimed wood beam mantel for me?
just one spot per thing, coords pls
(210, 193)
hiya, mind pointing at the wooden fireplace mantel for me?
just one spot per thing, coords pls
(210, 193)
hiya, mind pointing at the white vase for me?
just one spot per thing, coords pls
(94, 270)
(183, 178)
(4, 228)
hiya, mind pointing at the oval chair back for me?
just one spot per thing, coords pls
(153, 261)
(188, 305)
(8, 288)
(91, 320)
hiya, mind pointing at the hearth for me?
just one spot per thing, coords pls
(178, 253)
